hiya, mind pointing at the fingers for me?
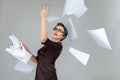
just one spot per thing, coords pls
(45, 8)
(44, 11)
(24, 47)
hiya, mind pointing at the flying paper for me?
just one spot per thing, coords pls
(52, 18)
(17, 50)
(74, 7)
(100, 37)
(80, 56)
(72, 35)
(24, 68)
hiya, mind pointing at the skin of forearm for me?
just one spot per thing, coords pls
(44, 33)
(33, 58)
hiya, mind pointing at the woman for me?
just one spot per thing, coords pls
(48, 54)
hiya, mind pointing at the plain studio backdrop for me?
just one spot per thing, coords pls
(22, 18)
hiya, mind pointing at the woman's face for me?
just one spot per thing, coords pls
(58, 32)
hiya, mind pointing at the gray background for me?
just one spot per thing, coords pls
(22, 18)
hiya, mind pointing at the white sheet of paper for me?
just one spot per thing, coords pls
(100, 37)
(72, 34)
(52, 18)
(15, 47)
(24, 68)
(74, 7)
(15, 41)
(79, 55)
(16, 50)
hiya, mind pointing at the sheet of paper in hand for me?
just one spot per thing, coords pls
(17, 50)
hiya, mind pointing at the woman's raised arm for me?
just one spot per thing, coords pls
(44, 33)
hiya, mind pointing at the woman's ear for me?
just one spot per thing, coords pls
(63, 37)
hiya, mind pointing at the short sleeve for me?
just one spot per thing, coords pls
(52, 45)
(47, 42)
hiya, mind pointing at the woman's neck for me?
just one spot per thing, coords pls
(55, 40)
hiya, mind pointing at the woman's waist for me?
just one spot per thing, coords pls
(45, 60)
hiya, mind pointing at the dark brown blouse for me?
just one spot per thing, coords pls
(46, 57)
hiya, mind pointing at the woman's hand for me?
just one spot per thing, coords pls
(33, 58)
(25, 47)
(44, 12)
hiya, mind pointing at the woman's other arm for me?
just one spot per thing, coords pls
(33, 58)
